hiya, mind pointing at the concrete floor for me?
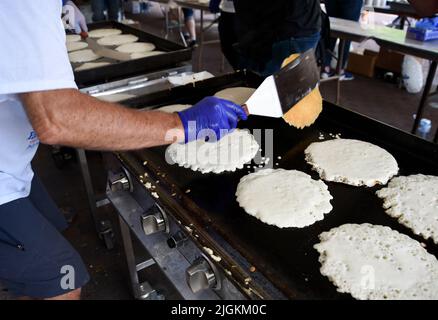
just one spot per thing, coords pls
(109, 276)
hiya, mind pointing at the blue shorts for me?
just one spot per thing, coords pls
(35, 259)
(188, 13)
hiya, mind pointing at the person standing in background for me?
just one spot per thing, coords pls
(268, 33)
(190, 23)
(227, 32)
(99, 6)
(344, 9)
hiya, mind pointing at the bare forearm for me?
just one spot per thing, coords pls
(69, 118)
(425, 7)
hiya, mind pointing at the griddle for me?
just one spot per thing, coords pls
(175, 55)
(285, 257)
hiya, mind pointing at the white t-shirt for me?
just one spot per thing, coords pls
(33, 57)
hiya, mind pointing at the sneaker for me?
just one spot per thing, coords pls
(192, 44)
(326, 75)
(346, 76)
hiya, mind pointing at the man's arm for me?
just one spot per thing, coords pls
(425, 8)
(68, 117)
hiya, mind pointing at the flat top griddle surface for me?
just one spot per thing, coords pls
(286, 256)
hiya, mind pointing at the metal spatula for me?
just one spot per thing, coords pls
(283, 90)
(105, 52)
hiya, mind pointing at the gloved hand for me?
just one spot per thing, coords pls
(73, 17)
(211, 113)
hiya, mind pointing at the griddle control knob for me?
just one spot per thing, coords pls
(201, 276)
(119, 181)
(177, 240)
(154, 221)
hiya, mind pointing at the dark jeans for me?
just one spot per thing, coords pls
(344, 9)
(280, 51)
(228, 37)
(99, 6)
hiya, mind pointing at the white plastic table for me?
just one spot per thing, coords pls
(393, 39)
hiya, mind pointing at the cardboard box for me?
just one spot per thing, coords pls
(390, 60)
(362, 64)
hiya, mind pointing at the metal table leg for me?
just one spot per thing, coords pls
(201, 41)
(165, 10)
(339, 69)
(141, 291)
(88, 185)
(180, 30)
(427, 87)
(403, 21)
(103, 227)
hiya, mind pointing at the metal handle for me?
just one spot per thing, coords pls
(137, 81)
(201, 276)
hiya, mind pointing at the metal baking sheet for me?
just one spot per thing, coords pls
(175, 55)
(284, 256)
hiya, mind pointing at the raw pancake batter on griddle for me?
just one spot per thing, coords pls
(77, 45)
(284, 198)
(72, 38)
(351, 162)
(91, 65)
(136, 47)
(100, 33)
(228, 154)
(238, 95)
(117, 40)
(413, 200)
(374, 262)
(85, 55)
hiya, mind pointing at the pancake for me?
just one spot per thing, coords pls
(352, 162)
(228, 154)
(284, 198)
(374, 262)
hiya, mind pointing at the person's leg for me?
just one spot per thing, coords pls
(190, 23)
(113, 9)
(228, 37)
(332, 9)
(72, 295)
(350, 10)
(45, 204)
(98, 8)
(36, 261)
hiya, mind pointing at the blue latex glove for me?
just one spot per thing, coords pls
(73, 18)
(211, 113)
